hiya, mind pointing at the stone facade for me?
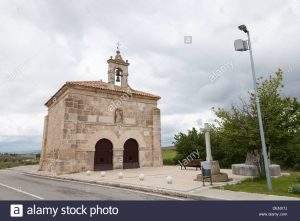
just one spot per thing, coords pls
(83, 112)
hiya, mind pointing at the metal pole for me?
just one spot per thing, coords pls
(261, 128)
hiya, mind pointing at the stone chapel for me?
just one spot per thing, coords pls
(94, 125)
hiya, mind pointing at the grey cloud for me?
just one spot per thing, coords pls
(46, 43)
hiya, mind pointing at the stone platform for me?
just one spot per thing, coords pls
(215, 167)
(252, 170)
(216, 175)
(220, 177)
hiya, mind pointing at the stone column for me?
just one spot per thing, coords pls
(118, 158)
(111, 77)
(207, 143)
(215, 167)
(124, 80)
(89, 159)
(156, 148)
(145, 157)
(111, 73)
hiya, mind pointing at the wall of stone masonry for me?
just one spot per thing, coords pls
(52, 138)
(83, 117)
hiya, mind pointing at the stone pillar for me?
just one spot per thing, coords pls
(156, 148)
(124, 80)
(145, 157)
(207, 143)
(214, 165)
(118, 158)
(111, 73)
(88, 159)
(44, 143)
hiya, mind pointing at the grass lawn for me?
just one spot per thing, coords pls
(256, 185)
(168, 156)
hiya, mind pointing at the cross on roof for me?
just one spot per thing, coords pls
(118, 46)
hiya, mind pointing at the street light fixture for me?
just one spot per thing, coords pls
(243, 28)
(241, 45)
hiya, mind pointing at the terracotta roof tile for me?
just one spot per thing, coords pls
(105, 86)
(101, 86)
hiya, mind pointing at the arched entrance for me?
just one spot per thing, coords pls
(103, 159)
(131, 154)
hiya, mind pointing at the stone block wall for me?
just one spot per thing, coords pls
(82, 117)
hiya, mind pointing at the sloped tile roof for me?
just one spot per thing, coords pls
(103, 86)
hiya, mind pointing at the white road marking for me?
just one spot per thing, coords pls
(21, 191)
(111, 187)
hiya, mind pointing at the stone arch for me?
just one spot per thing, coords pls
(142, 145)
(118, 72)
(131, 154)
(135, 135)
(103, 134)
(103, 157)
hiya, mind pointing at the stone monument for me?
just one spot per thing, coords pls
(250, 167)
(217, 176)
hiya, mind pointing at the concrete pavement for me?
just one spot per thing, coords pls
(17, 186)
(183, 185)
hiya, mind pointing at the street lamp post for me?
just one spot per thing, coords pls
(241, 45)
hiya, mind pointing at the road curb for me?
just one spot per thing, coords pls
(130, 187)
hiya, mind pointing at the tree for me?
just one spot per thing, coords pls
(188, 143)
(236, 133)
(238, 126)
(194, 141)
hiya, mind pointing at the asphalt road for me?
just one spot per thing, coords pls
(18, 186)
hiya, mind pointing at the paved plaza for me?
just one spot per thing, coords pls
(155, 180)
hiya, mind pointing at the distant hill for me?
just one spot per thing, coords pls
(22, 152)
(24, 144)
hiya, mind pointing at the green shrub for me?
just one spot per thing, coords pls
(294, 188)
(13, 160)
(169, 156)
(169, 162)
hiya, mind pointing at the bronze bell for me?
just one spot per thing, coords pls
(118, 74)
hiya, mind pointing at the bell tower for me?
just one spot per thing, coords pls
(117, 70)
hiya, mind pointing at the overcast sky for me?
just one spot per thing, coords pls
(45, 43)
